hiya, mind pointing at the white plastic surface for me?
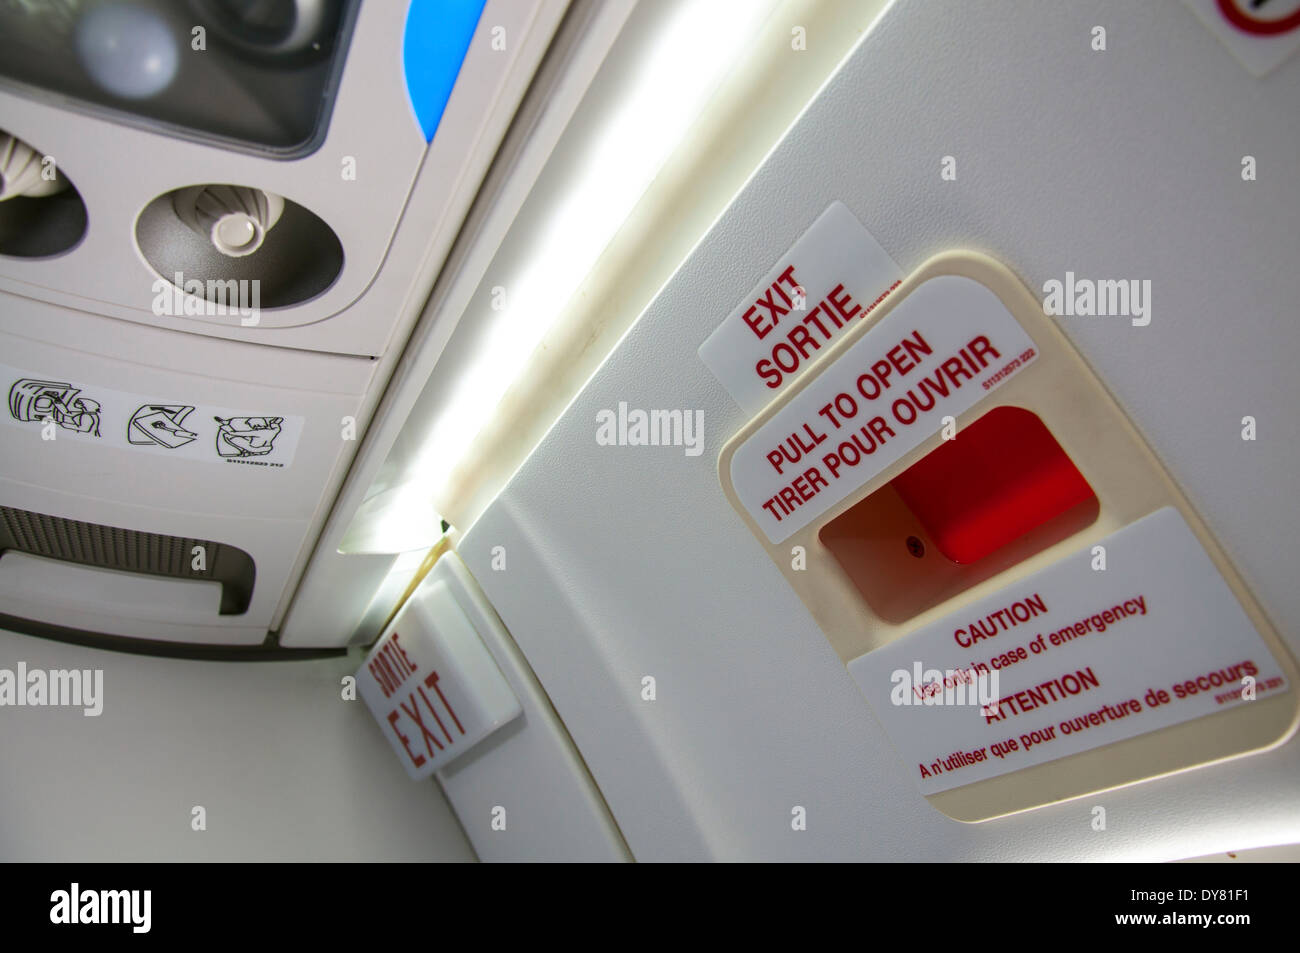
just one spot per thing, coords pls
(283, 766)
(36, 582)
(627, 561)
(551, 809)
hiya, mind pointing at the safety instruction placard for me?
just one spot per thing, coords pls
(828, 282)
(57, 407)
(1132, 634)
(944, 348)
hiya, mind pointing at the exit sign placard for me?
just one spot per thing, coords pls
(431, 683)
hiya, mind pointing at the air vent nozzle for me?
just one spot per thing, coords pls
(41, 213)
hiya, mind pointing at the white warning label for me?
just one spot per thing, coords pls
(59, 408)
(829, 281)
(1130, 635)
(938, 353)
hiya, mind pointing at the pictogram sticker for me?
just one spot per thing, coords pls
(247, 436)
(159, 425)
(40, 401)
(51, 406)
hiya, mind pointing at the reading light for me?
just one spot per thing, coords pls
(129, 51)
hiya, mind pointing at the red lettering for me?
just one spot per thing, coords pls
(432, 681)
(414, 713)
(416, 759)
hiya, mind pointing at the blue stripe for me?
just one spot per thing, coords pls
(437, 37)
